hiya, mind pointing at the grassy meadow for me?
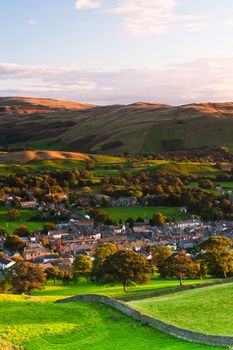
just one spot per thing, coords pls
(51, 292)
(34, 324)
(25, 219)
(207, 310)
(123, 213)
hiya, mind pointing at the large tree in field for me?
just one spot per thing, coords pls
(218, 255)
(159, 219)
(126, 267)
(216, 242)
(82, 266)
(22, 231)
(13, 215)
(13, 242)
(179, 265)
(101, 253)
(25, 277)
(159, 255)
(54, 273)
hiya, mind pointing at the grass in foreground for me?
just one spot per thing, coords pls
(78, 326)
(207, 310)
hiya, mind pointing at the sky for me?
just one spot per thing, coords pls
(117, 51)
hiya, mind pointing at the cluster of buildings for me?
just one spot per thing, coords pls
(79, 236)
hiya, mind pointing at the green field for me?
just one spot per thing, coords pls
(35, 325)
(200, 169)
(56, 164)
(26, 219)
(51, 292)
(207, 310)
(105, 159)
(225, 185)
(102, 162)
(196, 185)
(123, 213)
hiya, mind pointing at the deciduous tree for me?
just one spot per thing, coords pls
(22, 231)
(218, 255)
(160, 254)
(25, 277)
(82, 266)
(179, 265)
(101, 253)
(13, 215)
(126, 267)
(13, 242)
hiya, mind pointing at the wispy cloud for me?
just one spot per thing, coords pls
(146, 17)
(228, 23)
(31, 22)
(209, 79)
(87, 4)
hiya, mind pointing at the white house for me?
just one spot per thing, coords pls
(5, 263)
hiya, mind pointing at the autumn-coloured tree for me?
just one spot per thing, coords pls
(48, 227)
(13, 242)
(54, 273)
(13, 215)
(82, 266)
(216, 242)
(22, 231)
(179, 265)
(218, 255)
(66, 277)
(25, 277)
(126, 267)
(101, 253)
(159, 219)
(159, 255)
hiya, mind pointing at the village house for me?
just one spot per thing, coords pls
(187, 224)
(5, 263)
(124, 202)
(34, 253)
(29, 205)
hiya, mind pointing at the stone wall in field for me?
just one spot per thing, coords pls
(152, 322)
(177, 289)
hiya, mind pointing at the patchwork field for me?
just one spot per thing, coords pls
(225, 185)
(207, 310)
(26, 219)
(124, 213)
(15, 162)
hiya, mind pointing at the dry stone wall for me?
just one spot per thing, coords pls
(152, 322)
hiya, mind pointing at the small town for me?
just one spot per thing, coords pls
(116, 175)
(79, 235)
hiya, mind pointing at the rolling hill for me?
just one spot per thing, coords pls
(135, 128)
(25, 156)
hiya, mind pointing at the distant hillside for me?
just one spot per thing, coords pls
(135, 128)
(23, 157)
(24, 105)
